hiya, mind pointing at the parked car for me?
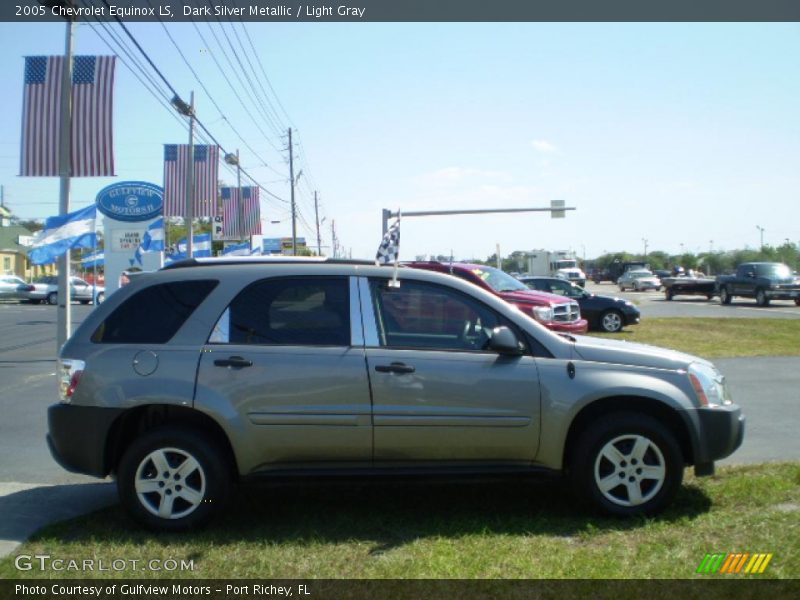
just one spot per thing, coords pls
(555, 312)
(763, 281)
(13, 287)
(45, 289)
(689, 285)
(638, 280)
(603, 313)
(210, 371)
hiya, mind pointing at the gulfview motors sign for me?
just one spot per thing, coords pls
(131, 201)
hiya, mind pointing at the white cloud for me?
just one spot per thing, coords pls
(543, 146)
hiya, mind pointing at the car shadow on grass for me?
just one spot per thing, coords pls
(385, 514)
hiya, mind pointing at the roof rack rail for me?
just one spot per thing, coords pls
(264, 260)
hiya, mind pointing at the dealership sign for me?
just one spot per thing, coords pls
(131, 201)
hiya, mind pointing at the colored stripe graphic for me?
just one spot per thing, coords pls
(734, 563)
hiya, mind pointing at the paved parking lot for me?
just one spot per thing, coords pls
(766, 388)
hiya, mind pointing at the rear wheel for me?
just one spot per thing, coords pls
(627, 464)
(611, 321)
(668, 293)
(173, 479)
(724, 295)
(797, 301)
(761, 298)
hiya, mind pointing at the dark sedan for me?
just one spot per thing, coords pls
(604, 313)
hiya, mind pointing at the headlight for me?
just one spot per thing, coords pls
(542, 313)
(709, 385)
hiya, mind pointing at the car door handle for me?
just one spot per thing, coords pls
(395, 367)
(233, 361)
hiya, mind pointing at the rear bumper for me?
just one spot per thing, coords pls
(77, 437)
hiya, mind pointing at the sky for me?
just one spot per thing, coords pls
(683, 135)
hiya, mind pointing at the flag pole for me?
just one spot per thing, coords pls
(190, 182)
(64, 318)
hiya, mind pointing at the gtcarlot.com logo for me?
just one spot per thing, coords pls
(743, 563)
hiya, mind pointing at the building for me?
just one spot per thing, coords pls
(13, 254)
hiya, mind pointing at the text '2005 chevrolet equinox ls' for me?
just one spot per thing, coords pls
(197, 375)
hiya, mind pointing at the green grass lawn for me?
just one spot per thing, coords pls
(717, 338)
(499, 529)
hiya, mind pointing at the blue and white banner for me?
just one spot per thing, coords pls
(153, 240)
(62, 233)
(93, 259)
(201, 247)
(243, 249)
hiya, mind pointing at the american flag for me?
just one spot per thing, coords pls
(251, 212)
(206, 162)
(92, 110)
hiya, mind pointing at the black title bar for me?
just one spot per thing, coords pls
(401, 10)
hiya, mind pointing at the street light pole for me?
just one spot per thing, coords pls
(761, 230)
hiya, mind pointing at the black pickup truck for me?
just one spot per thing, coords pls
(763, 281)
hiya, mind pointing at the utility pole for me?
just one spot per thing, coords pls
(333, 237)
(316, 214)
(65, 172)
(294, 208)
(187, 110)
(645, 247)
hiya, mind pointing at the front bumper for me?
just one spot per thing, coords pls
(782, 294)
(77, 437)
(720, 432)
(579, 326)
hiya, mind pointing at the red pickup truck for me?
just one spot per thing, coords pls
(554, 312)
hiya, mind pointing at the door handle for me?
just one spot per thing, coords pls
(395, 367)
(233, 361)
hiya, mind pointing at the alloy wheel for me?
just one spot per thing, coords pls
(170, 483)
(630, 470)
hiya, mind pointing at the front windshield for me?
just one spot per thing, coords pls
(640, 274)
(774, 271)
(498, 280)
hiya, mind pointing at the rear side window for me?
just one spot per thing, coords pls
(313, 311)
(153, 315)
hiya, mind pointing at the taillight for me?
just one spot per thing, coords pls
(69, 376)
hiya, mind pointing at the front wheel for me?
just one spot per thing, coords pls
(761, 298)
(100, 297)
(52, 298)
(797, 301)
(173, 479)
(627, 464)
(668, 293)
(611, 321)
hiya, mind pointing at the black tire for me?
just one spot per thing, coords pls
(100, 297)
(612, 321)
(709, 296)
(761, 298)
(797, 301)
(192, 500)
(52, 298)
(724, 296)
(618, 434)
(84, 302)
(668, 293)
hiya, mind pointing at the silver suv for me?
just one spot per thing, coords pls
(209, 371)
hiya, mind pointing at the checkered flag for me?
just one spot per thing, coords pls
(389, 250)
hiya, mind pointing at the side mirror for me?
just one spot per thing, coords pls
(503, 341)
